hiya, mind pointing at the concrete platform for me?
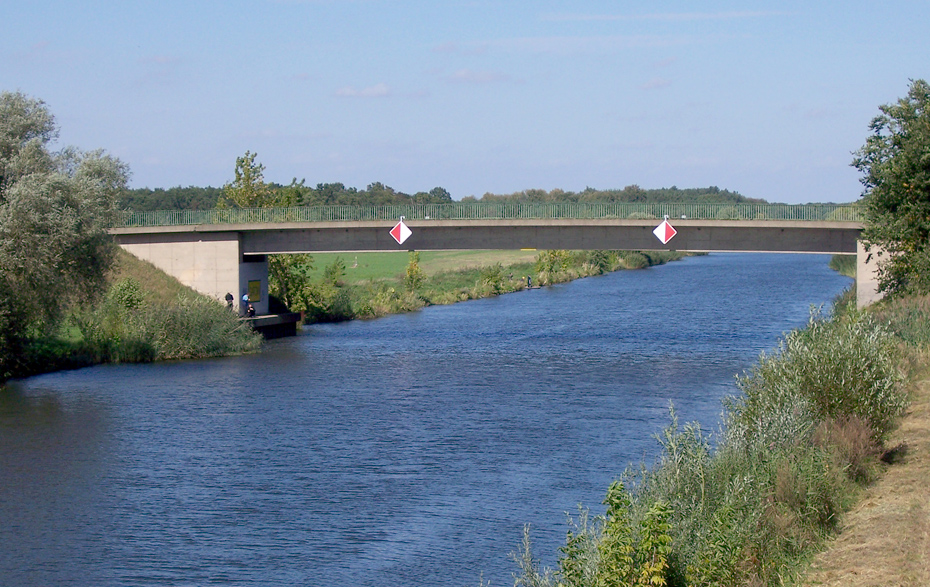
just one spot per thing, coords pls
(274, 325)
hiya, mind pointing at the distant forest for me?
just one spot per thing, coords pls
(299, 194)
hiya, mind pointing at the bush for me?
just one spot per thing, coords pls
(634, 260)
(126, 328)
(840, 368)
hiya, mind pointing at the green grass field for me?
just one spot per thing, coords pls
(367, 267)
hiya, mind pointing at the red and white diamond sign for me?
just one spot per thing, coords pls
(664, 232)
(400, 232)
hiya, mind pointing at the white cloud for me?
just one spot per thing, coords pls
(375, 91)
(479, 77)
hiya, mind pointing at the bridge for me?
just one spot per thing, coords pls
(220, 251)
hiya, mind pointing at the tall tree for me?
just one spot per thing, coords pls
(289, 274)
(895, 161)
(248, 189)
(54, 211)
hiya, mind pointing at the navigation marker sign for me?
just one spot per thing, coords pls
(664, 232)
(400, 232)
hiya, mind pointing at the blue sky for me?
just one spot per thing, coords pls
(765, 98)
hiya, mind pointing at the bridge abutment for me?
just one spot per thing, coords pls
(212, 263)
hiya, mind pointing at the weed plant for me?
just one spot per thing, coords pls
(908, 318)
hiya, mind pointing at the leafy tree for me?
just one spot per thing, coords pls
(895, 161)
(288, 279)
(288, 275)
(54, 211)
(334, 272)
(248, 189)
(176, 198)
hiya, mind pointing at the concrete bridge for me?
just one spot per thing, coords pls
(219, 257)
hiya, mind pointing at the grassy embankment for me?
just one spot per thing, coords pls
(812, 432)
(369, 285)
(145, 315)
(885, 538)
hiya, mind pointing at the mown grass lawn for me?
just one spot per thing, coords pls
(367, 267)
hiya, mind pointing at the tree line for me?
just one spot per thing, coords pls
(298, 193)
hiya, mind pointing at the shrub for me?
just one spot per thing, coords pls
(126, 328)
(579, 557)
(492, 280)
(841, 368)
(634, 260)
(414, 276)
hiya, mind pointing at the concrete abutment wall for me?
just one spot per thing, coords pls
(211, 263)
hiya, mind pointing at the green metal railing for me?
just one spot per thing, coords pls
(495, 210)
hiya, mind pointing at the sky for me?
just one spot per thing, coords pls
(768, 99)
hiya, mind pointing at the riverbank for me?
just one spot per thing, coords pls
(380, 284)
(885, 538)
(147, 315)
(144, 316)
(814, 429)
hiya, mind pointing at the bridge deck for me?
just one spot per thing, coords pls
(806, 236)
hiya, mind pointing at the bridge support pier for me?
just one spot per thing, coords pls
(212, 263)
(866, 276)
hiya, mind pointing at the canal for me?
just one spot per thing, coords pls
(409, 450)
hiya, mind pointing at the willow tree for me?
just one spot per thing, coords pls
(895, 162)
(54, 211)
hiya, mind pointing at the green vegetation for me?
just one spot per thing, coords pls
(895, 161)
(147, 315)
(378, 194)
(54, 249)
(844, 265)
(176, 198)
(631, 193)
(57, 306)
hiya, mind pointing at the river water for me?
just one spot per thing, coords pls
(409, 450)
